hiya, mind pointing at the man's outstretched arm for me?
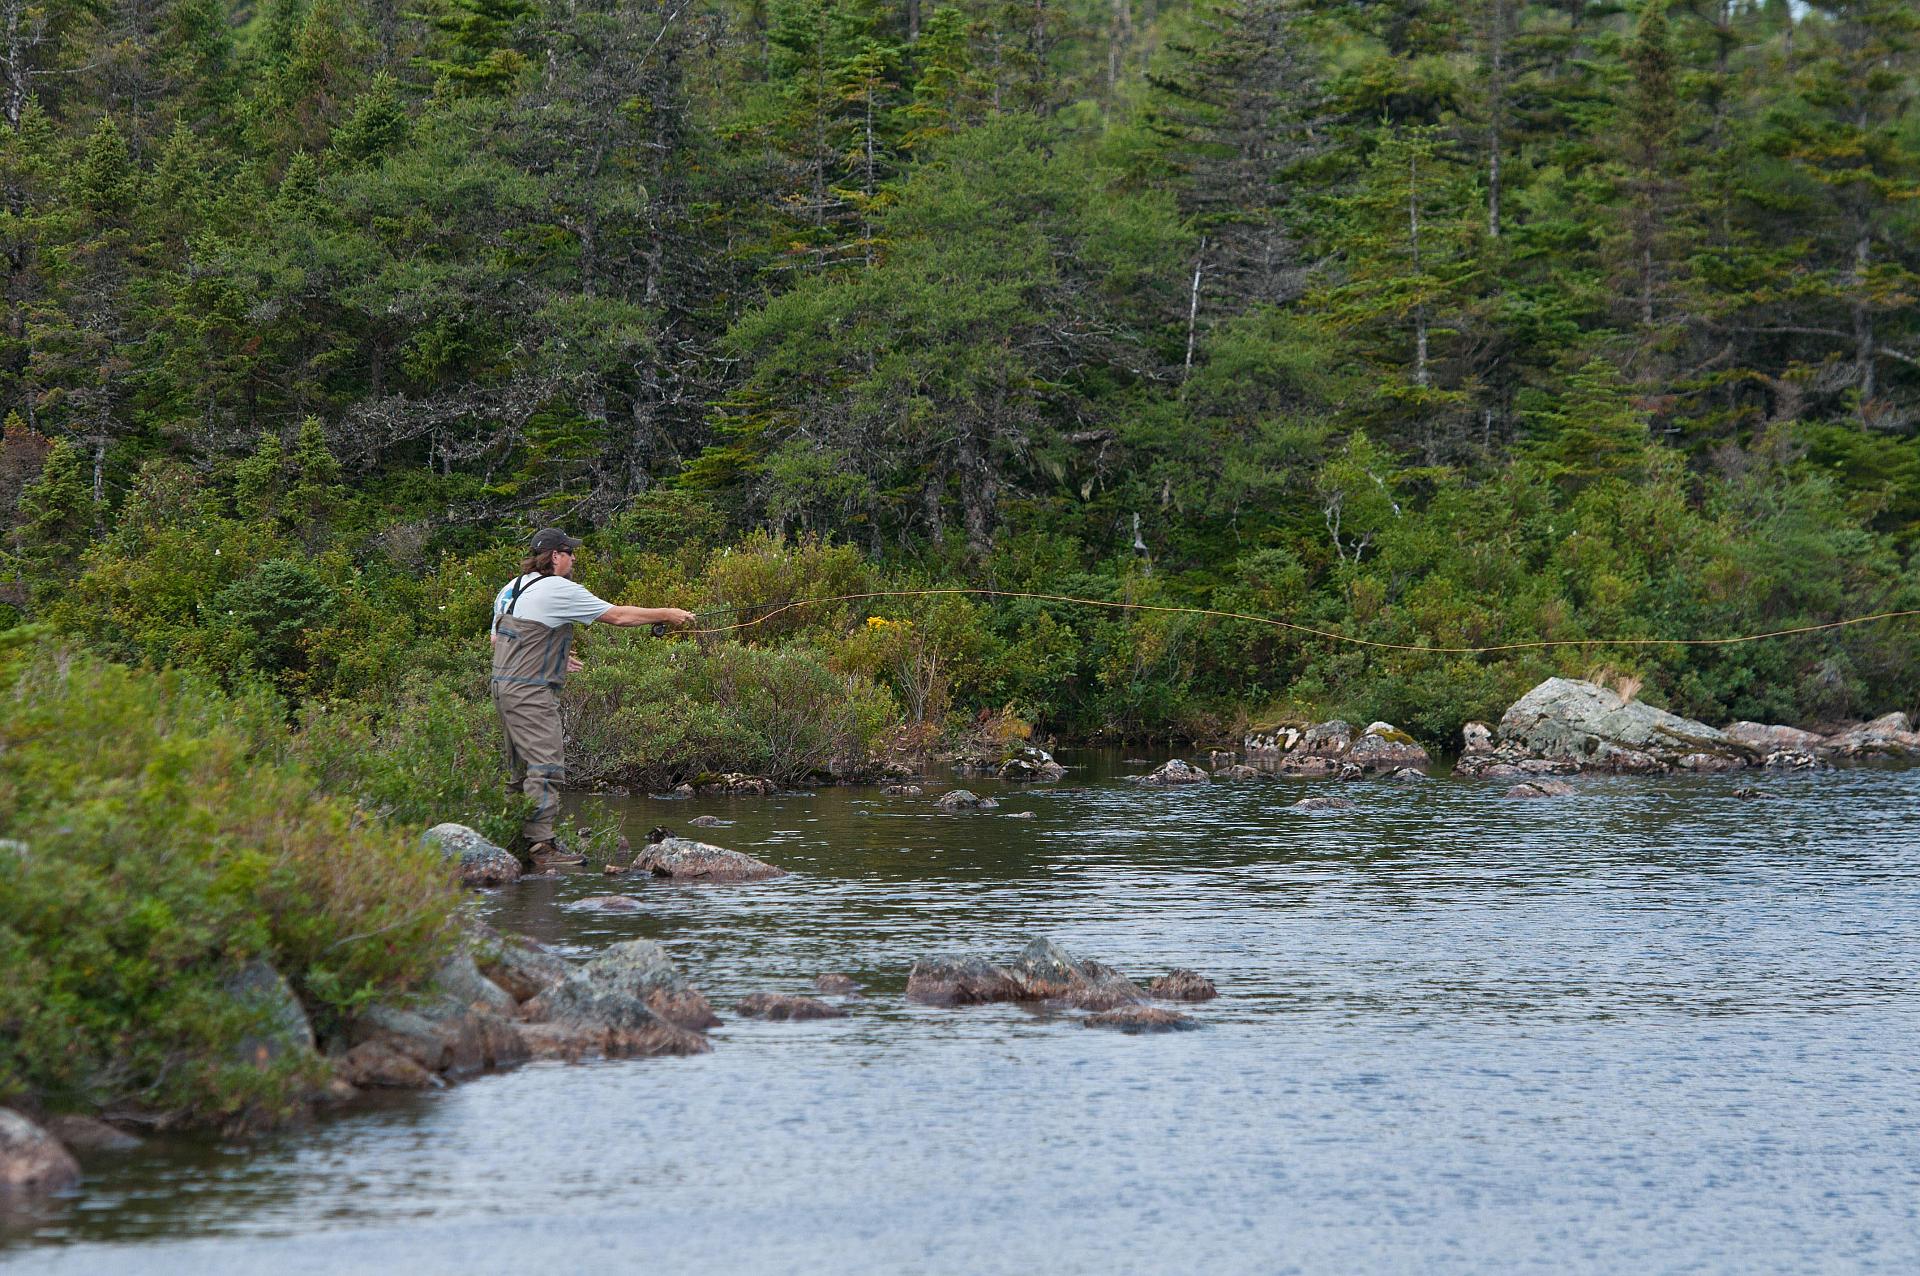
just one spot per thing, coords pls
(628, 617)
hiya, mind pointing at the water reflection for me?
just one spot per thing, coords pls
(1650, 1025)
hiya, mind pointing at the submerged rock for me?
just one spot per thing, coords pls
(707, 822)
(1174, 772)
(1183, 985)
(1316, 805)
(1567, 720)
(84, 1134)
(960, 981)
(1238, 771)
(684, 860)
(604, 904)
(31, 1160)
(902, 790)
(964, 800)
(1139, 1019)
(782, 1007)
(1540, 789)
(841, 985)
(480, 862)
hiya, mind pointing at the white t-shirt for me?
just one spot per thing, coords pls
(548, 600)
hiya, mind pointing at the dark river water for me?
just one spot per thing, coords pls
(1653, 1027)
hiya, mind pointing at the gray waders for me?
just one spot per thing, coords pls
(529, 664)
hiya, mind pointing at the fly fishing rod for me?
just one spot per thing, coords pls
(776, 609)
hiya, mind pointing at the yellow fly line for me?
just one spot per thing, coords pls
(1308, 630)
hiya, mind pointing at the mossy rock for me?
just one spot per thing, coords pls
(1394, 735)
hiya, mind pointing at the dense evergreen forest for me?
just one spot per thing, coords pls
(1439, 323)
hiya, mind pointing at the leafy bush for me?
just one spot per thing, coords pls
(163, 837)
(653, 713)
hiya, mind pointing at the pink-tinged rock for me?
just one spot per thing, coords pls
(1141, 1019)
(1709, 763)
(1476, 737)
(960, 981)
(1183, 985)
(1888, 736)
(85, 1134)
(1768, 739)
(478, 861)
(31, 1160)
(1309, 765)
(836, 985)
(781, 1007)
(604, 904)
(681, 859)
(1541, 789)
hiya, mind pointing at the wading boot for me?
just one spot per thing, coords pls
(551, 854)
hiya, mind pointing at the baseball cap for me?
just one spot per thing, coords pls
(553, 538)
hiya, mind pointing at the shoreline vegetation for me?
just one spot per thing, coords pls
(1411, 322)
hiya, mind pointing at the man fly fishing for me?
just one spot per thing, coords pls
(532, 636)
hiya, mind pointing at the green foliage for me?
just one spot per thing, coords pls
(162, 838)
(653, 714)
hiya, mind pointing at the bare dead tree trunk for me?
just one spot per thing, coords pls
(1420, 375)
(1496, 109)
(1193, 307)
(1863, 344)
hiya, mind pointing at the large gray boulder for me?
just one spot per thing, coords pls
(480, 862)
(31, 1160)
(1588, 726)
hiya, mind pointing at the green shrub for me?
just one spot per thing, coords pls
(653, 713)
(169, 839)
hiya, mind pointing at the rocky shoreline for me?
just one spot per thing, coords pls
(503, 1000)
(1566, 726)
